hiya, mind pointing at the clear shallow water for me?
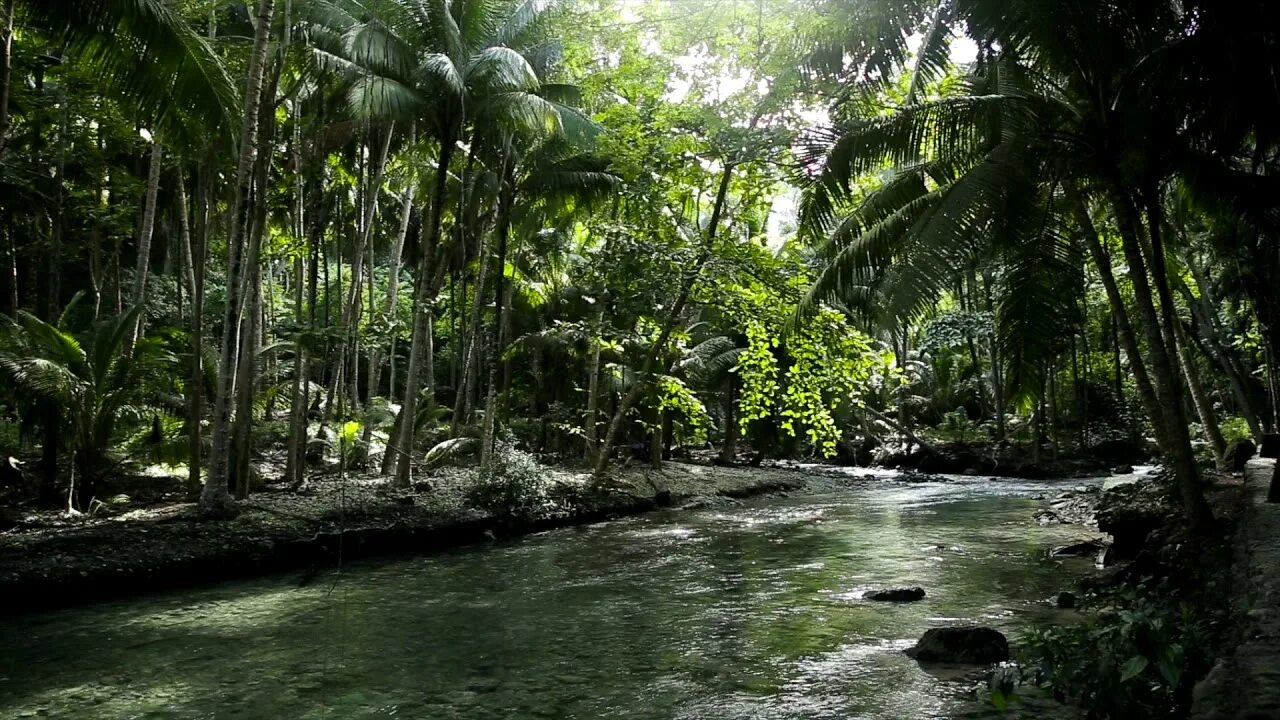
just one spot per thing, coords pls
(750, 611)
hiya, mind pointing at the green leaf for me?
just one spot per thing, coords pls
(1133, 667)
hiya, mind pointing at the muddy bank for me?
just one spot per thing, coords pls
(48, 561)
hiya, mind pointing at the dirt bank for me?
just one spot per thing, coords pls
(48, 560)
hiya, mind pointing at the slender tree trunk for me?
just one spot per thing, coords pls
(295, 463)
(1167, 387)
(6, 72)
(462, 407)
(677, 309)
(729, 450)
(1119, 313)
(506, 199)
(13, 271)
(591, 419)
(144, 239)
(351, 315)
(1204, 406)
(393, 284)
(1209, 332)
(215, 500)
(191, 256)
(60, 205)
(423, 307)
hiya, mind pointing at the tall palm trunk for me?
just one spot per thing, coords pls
(673, 317)
(1126, 336)
(144, 239)
(462, 406)
(6, 71)
(393, 287)
(424, 305)
(506, 191)
(215, 500)
(1168, 389)
(193, 257)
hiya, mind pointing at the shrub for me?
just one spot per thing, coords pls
(1236, 428)
(1136, 658)
(514, 486)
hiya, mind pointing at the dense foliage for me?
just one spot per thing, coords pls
(619, 228)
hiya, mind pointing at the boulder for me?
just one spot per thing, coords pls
(967, 645)
(904, 594)
(1237, 454)
(1066, 600)
(1130, 512)
(1088, 548)
(1119, 452)
(1122, 470)
(1270, 446)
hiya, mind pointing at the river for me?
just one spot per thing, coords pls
(745, 611)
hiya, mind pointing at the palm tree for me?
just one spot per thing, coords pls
(142, 51)
(1041, 136)
(444, 65)
(215, 500)
(549, 180)
(92, 383)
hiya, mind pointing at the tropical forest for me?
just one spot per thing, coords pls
(645, 359)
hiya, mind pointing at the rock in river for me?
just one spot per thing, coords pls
(1087, 548)
(967, 645)
(906, 594)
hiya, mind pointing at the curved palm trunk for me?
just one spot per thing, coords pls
(215, 500)
(1120, 315)
(424, 306)
(1168, 388)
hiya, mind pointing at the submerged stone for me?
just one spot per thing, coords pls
(964, 645)
(905, 594)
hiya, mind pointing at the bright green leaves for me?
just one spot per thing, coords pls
(758, 369)
(676, 400)
(828, 363)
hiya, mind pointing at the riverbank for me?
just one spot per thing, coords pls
(1245, 683)
(48, 560)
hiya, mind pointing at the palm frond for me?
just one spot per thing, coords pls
(143, 51)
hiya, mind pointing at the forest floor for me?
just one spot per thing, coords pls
(147, 536)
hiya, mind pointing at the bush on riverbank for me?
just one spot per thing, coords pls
(1151, 625)
(1137, 657)
(515, 487)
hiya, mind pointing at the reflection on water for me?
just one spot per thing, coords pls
(747, 612)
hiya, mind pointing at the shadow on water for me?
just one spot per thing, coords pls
(748, 611)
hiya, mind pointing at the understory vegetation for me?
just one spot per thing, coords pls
(281, 236)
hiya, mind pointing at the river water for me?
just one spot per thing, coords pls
(748, 611)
